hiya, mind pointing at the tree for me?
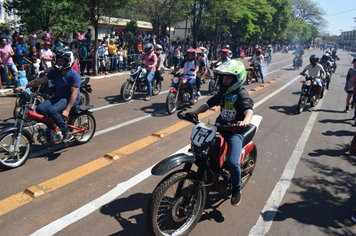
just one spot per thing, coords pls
(281, 17)
(309, 11)
(60, 15)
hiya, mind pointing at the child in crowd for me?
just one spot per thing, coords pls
(22, 80)
(120, 58)
(34, 67)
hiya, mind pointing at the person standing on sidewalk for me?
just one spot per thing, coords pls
(350, 85)
(112, 55)
(6, 63)
(83, 54)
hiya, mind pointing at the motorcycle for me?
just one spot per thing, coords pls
(267, 58)
(48, 90)
(178, 201)
(137, 83)
(16, 142)
(179, 93)
(252, 72)
(309, 91)
(214, 81)
(297, 61)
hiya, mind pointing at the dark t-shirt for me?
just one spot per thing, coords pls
(232, 105)
(64, 83)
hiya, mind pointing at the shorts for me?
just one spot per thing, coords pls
(318, 81)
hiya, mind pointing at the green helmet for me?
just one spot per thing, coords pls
(269, 46)
(235, 68)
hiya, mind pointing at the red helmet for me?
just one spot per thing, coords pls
(198, 51)
(191, 50)
(224, 50)
(258, 52)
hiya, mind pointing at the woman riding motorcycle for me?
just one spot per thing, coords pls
(237, 109)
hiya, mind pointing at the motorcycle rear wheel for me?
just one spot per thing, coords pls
(168, 211)
(126, 93)
(84, 98)
(301, 104)
(10, 158)
(248, 77)
(171, 103)
(248, 167)
(212, 88)
(85, 121)
(155, 90)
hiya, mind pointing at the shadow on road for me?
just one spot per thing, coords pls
(288, 110)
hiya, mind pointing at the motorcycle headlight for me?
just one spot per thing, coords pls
(175, 80)
(307, 83)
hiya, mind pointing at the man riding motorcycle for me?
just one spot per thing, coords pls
(237, 109)
(150, 59)
(328, 67)
(258, 58)
(67, 82)
(191, 68)
(314, 69)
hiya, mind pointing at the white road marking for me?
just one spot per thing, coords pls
(270, 209)
(87, 209)
(92, 206)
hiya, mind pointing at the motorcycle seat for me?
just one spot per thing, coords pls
(248, 134)
(84, 82)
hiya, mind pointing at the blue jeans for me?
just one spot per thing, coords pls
(113, 63)
(234, 142)
(260, 70)
(149, 77)
(125, 63)
(191, 86)
(119, 66)
(13, 69)
(53, 108)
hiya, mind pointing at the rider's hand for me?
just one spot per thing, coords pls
(20, 88)
(243, 123)
(65, 114)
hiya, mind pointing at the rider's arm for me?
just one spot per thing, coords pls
(248, 118)
(323, 74)
(72, 98)
(33, 83)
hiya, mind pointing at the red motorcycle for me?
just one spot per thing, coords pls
(178, 201)
(16, 141)
(179, 93)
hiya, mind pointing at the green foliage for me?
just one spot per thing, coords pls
(131, 27)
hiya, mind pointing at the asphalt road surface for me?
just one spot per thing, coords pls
(302, 184)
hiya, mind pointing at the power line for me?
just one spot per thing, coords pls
(341, 12)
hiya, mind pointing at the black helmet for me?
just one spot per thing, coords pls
(66, 54)
(314, 59)
(148, 48)
(326, 57)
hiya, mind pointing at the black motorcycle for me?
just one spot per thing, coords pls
(48, 90)
(310, 89)
(214, 81)
(137, 83)
(297, 61)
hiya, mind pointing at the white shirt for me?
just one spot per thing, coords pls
(47, 54)
(314, 71)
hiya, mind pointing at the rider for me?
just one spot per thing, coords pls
(159, 53)
(67, 82)
(191, 68)
(202, 70)
(269, 51)
(223, 56)
(314, 69)
(150, 59)
(236, 109)
(327, 66)
(258, 58)
(334, 57)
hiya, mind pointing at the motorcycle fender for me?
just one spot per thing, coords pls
(172, 162)
(246, 150)
(24, 131)
(249, 68)
(86, 88)
(173, 90)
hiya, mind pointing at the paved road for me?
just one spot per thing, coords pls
(302, 184)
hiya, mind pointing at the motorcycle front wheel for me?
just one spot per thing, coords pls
(213, 89)
(175, 207)
(127, 91)
(156, 90)
(84, 121)
(171, 103)
(84, 98)
(10, 157)
(248, 77)
(301, 104)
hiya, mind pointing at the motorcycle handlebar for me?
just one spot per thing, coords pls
(193, 118)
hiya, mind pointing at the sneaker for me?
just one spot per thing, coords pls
(263, 81)
(106, 73)
(353, 217)
(236, 197)
(67, 137)
(148, 98)
(198, 93)
(346, 109)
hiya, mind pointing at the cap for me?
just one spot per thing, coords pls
(47, 43)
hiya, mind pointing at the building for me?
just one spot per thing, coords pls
(182, 29)
(348, 38)
(5, 17)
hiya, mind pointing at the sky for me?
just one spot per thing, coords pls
(339, 14)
